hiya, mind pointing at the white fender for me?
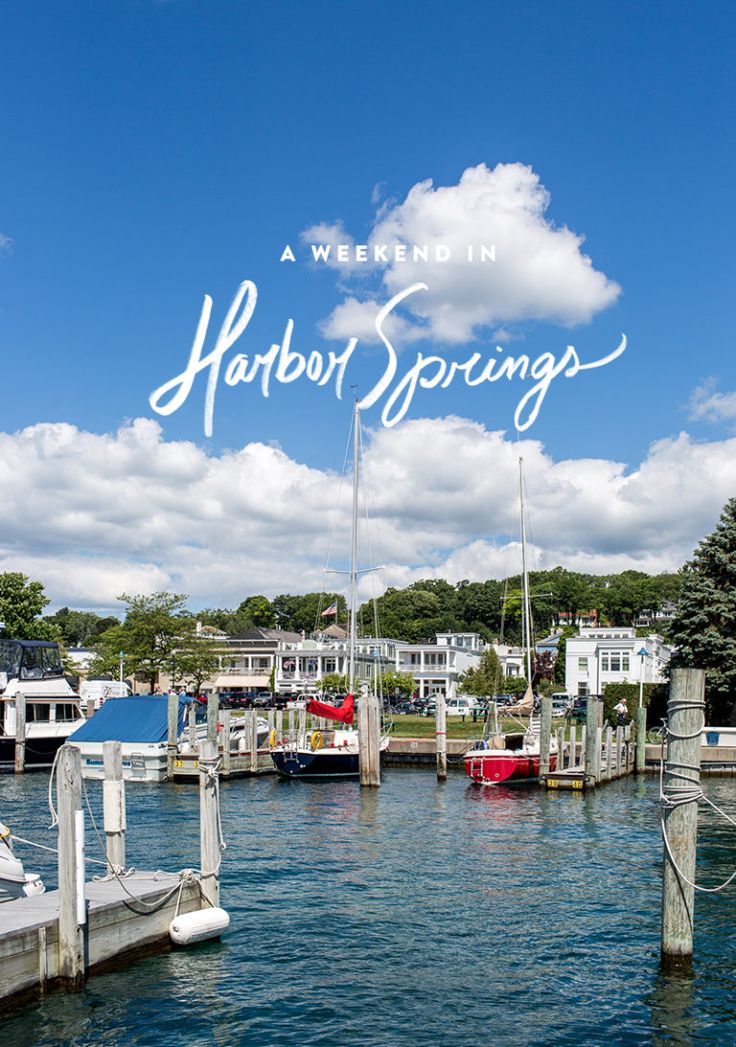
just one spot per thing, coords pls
(191, 927)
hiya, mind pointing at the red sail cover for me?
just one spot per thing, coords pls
(343, 713)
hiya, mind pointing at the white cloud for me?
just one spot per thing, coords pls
(357, 319)
(94, 515)
(540, 272)
(5, 243)
(707, 405)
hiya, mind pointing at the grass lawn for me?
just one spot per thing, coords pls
(407, 726)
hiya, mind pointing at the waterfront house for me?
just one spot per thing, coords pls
(437, 667)
(301, 664)
(613, 654)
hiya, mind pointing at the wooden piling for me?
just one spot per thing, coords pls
(545, 730)
(20, 732)
(641, 740)
(213, 713)
(573, 762)
(225, 740)
(291, 723)
(374, 739)
(193, 727)
(302, 727)
(89, 708)
(685, 719)
(209, 837)
(607, 771)
(561, 748)
(620, 766)
(172, 733)
(253, 739)
(583, 745)
(113, 802)
(72, 906)
(440, 733)
(592, 752)
(279, 724)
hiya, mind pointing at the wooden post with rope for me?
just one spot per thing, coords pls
(172, 733)
(440, 733)
(545, 732)
(20, 732)
(680, 792)
(113, 804)
(72, 904)
(209, 836)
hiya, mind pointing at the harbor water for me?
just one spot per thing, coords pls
(417, 914)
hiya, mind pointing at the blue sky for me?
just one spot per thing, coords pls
(155, 151)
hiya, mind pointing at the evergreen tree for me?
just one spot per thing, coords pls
(704, 629)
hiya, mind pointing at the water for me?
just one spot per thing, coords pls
(417, 914)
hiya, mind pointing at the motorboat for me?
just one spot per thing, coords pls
(32, 679)
(140, 724)
(15, 882)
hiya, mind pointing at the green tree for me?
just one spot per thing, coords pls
(486, 678)
(154, 628)
(704, 629)
(79, 628)
(194, 661)
(257, 610)
(395, 684)
(334, 682)
(21, 604)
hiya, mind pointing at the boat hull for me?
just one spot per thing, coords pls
(497, 767)
(40, 752)
(321, 763)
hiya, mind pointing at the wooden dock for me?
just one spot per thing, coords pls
(236, 764)
(117, 928)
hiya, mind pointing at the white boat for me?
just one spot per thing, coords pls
(140, 724)
(15, 882)
(31, 675)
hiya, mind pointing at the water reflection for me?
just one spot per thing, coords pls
(672, 1008)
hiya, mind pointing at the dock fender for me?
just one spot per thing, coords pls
(191, 927)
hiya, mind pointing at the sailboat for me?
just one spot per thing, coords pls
(336, 752)
(513, 757)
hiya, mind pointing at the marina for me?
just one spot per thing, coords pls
(420, 933)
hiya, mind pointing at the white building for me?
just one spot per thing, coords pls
(511, 659)
(437, 667)
(301, 666)
(602, 655)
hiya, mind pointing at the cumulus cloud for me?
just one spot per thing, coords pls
(708, 405)
(94, 515)
(540, 271)
(5, 243)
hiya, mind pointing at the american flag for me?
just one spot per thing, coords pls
(332, 609)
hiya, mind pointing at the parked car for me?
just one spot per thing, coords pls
(579, 711)
(560, 703)
(462, 706)
(405, 708)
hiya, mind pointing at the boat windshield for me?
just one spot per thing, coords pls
(10, 655)
(30, 660)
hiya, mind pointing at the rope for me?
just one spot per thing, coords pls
(687, 790)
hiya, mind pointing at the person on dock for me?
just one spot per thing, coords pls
(622, 711)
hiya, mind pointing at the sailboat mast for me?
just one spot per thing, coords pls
(525, 577)
(354, 550)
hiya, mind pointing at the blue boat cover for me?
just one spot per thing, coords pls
(139, 719)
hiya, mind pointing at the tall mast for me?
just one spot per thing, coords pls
(527, 616)
(354, 550)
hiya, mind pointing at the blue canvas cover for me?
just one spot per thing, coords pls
(138, 719)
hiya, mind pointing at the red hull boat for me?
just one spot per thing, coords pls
(497, 766)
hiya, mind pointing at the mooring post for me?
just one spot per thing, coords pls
(641, 740)
(279, 724)
(213, 713)
(225, 740)
(291, 724)
(583, 745)
(607, 774)
(560, 748)
(270, 716)
(573, 762)
(302, 728)
(20, 732)
(440, 734)
(72, 904)
(253, 734)
(545, 731)
(193, 727)
(172, 733)
(89, 708)
(619, 751)
(113, 805)
(364, 760)
(209, 837)
(592, 750)
(685, 720)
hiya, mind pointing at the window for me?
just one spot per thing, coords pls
(582, 665)
(66, 713)
(329, 665)
(38, 712)
(614, 661)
